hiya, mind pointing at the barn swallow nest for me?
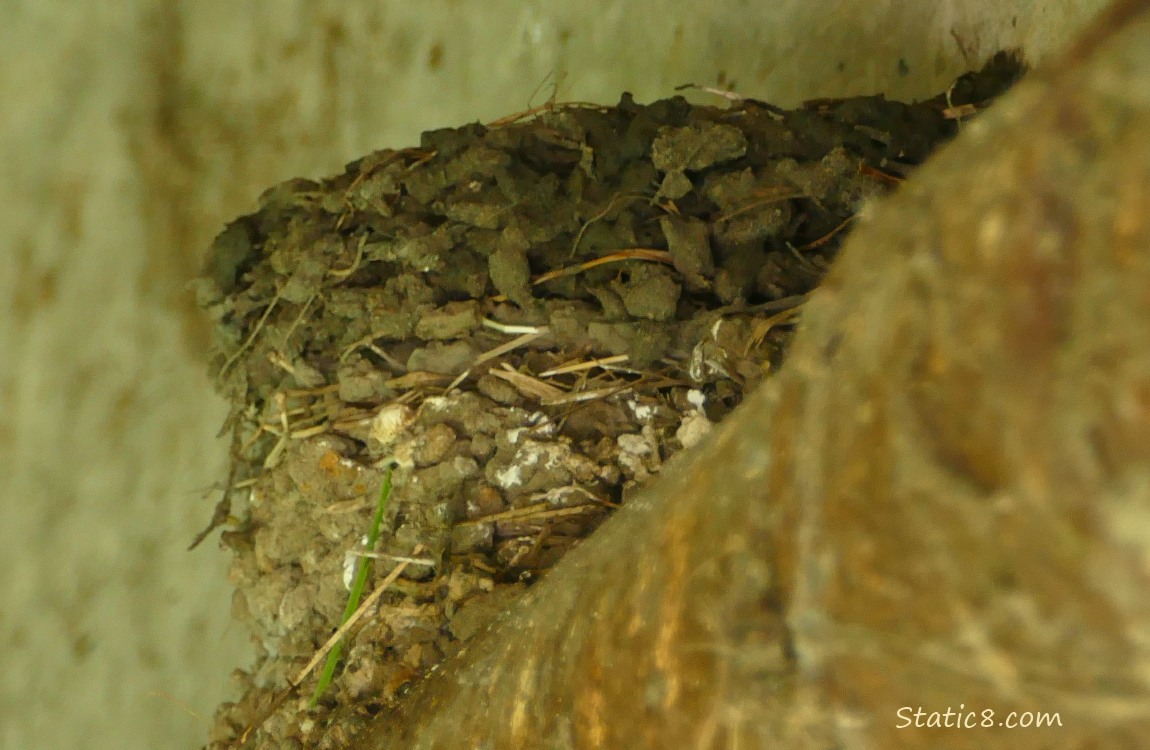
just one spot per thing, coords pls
(526, 319)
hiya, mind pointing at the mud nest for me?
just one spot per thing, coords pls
(524, 319)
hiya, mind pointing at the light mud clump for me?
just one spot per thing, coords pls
(525, 319)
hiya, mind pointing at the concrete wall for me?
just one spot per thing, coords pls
(129, 132)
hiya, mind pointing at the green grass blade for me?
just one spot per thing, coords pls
(357, 587)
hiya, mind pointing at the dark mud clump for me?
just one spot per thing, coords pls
(526, 320)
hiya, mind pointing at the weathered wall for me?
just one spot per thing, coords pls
(129, 136)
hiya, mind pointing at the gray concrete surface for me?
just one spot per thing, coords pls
(129, 132)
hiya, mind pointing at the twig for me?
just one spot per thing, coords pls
(576, 367)
(343, 273)
(610, 207)
(495, 325)
(251, 337)
(348, 624)
(511, 345)
(580, 396)
(295, 682)
(828, 236)
(528, 385)
(633, 253)
(781, 194)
